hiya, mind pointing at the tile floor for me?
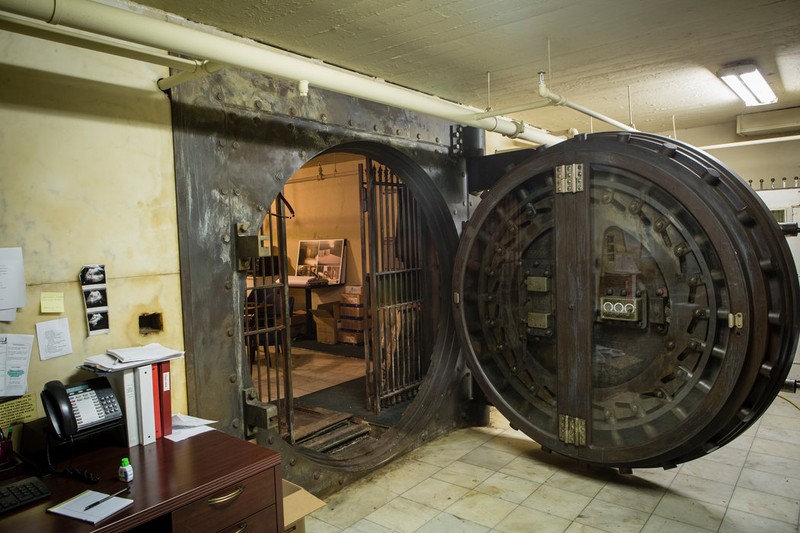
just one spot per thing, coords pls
(496, 479)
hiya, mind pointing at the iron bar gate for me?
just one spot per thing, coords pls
(266, 320)
(394, 262)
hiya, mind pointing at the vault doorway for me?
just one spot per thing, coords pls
(341, 357)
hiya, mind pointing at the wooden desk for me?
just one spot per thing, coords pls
(172, 483)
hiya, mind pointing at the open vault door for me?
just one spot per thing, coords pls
(625, 300)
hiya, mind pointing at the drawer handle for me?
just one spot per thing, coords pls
(242, 528)
(228, 497)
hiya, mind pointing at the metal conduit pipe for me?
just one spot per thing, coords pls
(544, 92)
(120, 24)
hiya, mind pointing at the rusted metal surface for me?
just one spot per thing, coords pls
(238, 137)
(670, 322)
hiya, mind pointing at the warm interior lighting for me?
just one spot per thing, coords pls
(748, 84)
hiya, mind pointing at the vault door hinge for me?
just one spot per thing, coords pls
(569, 178)
(572, 430)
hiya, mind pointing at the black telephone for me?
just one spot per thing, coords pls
(80, 406)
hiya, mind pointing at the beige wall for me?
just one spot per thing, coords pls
(325, 208)
(87, 176)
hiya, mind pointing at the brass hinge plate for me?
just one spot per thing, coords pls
(572, 430)
(569, 178)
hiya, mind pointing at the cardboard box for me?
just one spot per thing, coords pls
(350, 337)
(352, 311)
(355, 324)
(353, 299)
(297, 503)
(325, 318)
(353, 289)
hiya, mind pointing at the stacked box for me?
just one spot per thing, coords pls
(326, 317)
(352, 313)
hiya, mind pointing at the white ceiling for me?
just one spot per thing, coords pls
(664, 53)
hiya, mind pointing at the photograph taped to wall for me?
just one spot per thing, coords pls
(95, 298)
(322, 259)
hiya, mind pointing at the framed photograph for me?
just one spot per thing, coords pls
(323, 259)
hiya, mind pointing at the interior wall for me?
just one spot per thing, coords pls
(326, 208)
(87, 176)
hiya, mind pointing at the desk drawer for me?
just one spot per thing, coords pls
(227, 506)
(264, 521)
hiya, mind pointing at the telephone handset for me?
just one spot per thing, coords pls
(79, 406)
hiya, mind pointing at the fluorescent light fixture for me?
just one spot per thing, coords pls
(747, 82)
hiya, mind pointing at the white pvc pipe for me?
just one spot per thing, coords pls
(751, 142)
(40, 30)
(114, 22)
(544, 92)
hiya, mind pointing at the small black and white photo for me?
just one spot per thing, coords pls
(97, 321)
(95, 297)
(93, 275)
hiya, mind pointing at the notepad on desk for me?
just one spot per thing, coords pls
(76, 507)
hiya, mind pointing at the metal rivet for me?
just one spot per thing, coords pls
(232, 378)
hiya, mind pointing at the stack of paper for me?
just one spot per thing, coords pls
(122, 358)
(81, 507)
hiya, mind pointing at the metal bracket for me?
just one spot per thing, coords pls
(735, 320)
(258, 413)
(569, 178)
(250, 245)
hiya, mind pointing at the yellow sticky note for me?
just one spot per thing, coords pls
(52, 302)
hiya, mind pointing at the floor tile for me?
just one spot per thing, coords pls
(780, 434)
(527, 519)
(362, 526)
(507, 487)
(490, 458)
(463, 474)
(741, 522)
(715, 471)
(482, 509)
(692, 512)
(318, 526)
(611, 517)
(578, 482)
(781, 449)
(773, 464)
(403, 474)
(350, 505)
(633, 493)
(777, 484)
(530, 467)
(434, 493)
(659, 524)
(402, 514)
(514, 442)
(447, 523)
(577, 527)
(767, 505)
(558, 502)
(702, 489)
(727, 455)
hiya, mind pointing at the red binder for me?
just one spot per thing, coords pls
(164, 390)
(156, 401)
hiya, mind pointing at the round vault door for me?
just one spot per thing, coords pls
(626, 300)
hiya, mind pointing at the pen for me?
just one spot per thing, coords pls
(98, 502)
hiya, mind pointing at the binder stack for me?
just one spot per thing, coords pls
(142, 381)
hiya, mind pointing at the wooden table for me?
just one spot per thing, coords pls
(173, 485)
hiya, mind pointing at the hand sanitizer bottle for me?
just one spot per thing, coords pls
(125, 470)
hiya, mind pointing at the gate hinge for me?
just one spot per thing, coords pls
(572, 430)
(736, 320)
(258, 413)
(569, 178)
